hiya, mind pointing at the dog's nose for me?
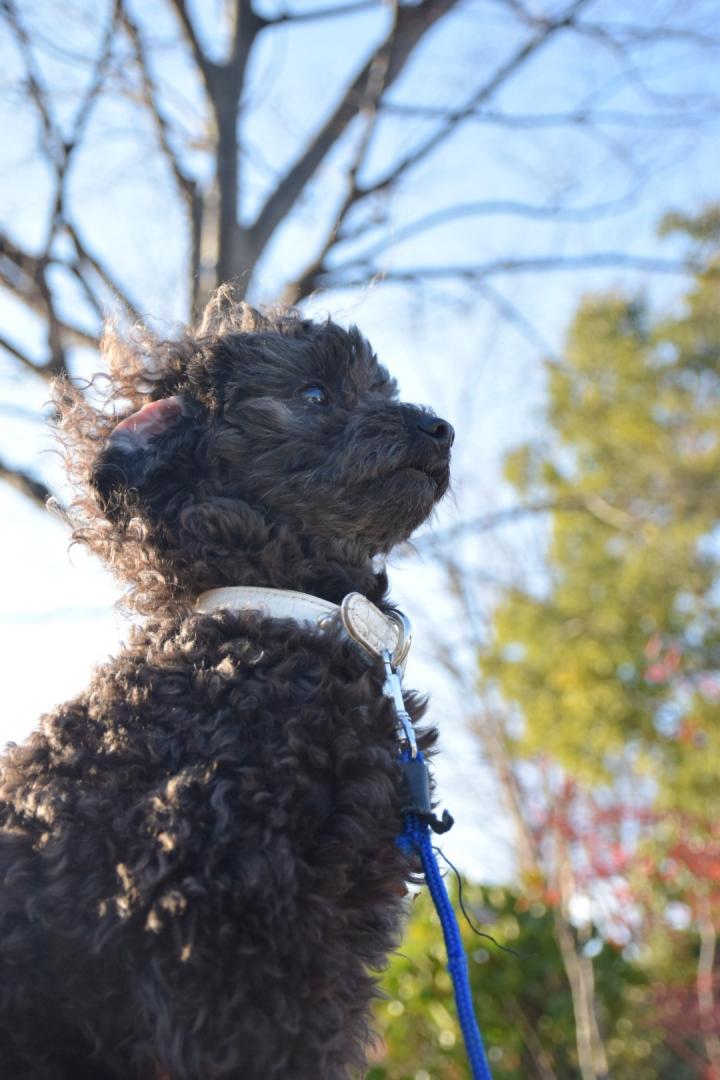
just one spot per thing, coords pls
(440, 430)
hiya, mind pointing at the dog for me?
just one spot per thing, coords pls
(199, 873)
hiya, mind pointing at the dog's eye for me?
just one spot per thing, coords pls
(315, 394)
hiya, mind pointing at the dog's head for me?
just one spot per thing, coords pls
(272, 418)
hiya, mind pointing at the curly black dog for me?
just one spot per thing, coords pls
(199, 874)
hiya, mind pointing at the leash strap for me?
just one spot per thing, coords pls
(417, 836)
(419, 823)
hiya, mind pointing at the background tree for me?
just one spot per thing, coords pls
(622, 644)
(597, 705)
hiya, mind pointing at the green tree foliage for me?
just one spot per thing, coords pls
(522, 1000)
(621, 650)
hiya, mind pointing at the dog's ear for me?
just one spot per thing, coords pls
(142, 458)
(151, 420)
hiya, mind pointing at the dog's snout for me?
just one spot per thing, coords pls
(439, 430)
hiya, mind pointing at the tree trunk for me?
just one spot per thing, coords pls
(706, 980)
(592, 1059)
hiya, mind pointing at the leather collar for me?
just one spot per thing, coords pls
(376, 632)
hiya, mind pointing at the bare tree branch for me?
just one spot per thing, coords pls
(487, 208)
(441, 538)
(319, 14)
(206, 66)
(59, 147)
(23, 275)
(413, 22)
(17, 354)
(542, 1059)
(96, 84)
(512, 314)
(312, 276)
(595, 505)
(237, 254)
(499, 78)
(35, 87)
(648, 264)
(578, 117)
(26, 484)
(186, 184)
(628, 34)
(376, 84)
(224, 84)
(629, 71)
(151, 99)
(108, 279)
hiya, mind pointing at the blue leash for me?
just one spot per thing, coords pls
(418, 820)
(416, 836)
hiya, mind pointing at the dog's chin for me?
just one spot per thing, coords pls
(380, 512)
(410, 480)
(404, 499)
(425, 484)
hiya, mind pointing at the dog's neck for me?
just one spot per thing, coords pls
(328, 569)
(251, 550)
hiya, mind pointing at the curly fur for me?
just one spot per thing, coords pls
(198, 868)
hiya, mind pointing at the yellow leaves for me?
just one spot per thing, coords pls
(518, 468)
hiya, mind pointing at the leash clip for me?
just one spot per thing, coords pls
(392, 688)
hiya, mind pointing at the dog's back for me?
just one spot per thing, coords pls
(200, 867)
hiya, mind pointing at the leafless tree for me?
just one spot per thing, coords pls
(357, 171)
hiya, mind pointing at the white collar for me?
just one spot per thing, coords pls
(365, 623)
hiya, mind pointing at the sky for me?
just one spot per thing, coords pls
(448, 346)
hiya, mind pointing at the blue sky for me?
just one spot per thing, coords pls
(448, 345)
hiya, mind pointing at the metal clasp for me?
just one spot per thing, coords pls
(392, 688)
(399, 657)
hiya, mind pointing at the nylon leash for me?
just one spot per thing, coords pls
(419, 823)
